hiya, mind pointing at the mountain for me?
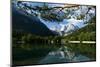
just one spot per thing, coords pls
(69, 28)
(22, 22)
(66, 29)
(87, 33)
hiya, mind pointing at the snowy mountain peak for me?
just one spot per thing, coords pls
(69, 28)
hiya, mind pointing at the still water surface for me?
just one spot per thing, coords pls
(37, 54)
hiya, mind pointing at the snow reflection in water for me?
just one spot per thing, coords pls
(63, 54)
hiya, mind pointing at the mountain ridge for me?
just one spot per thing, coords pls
(23, 23)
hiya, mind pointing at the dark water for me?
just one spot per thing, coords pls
(26, 54)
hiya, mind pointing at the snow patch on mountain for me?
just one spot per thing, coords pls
(65, 27)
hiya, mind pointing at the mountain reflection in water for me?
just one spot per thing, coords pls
(26, 54)
(63, 54)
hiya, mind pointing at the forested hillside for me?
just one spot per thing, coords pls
(87, 33)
